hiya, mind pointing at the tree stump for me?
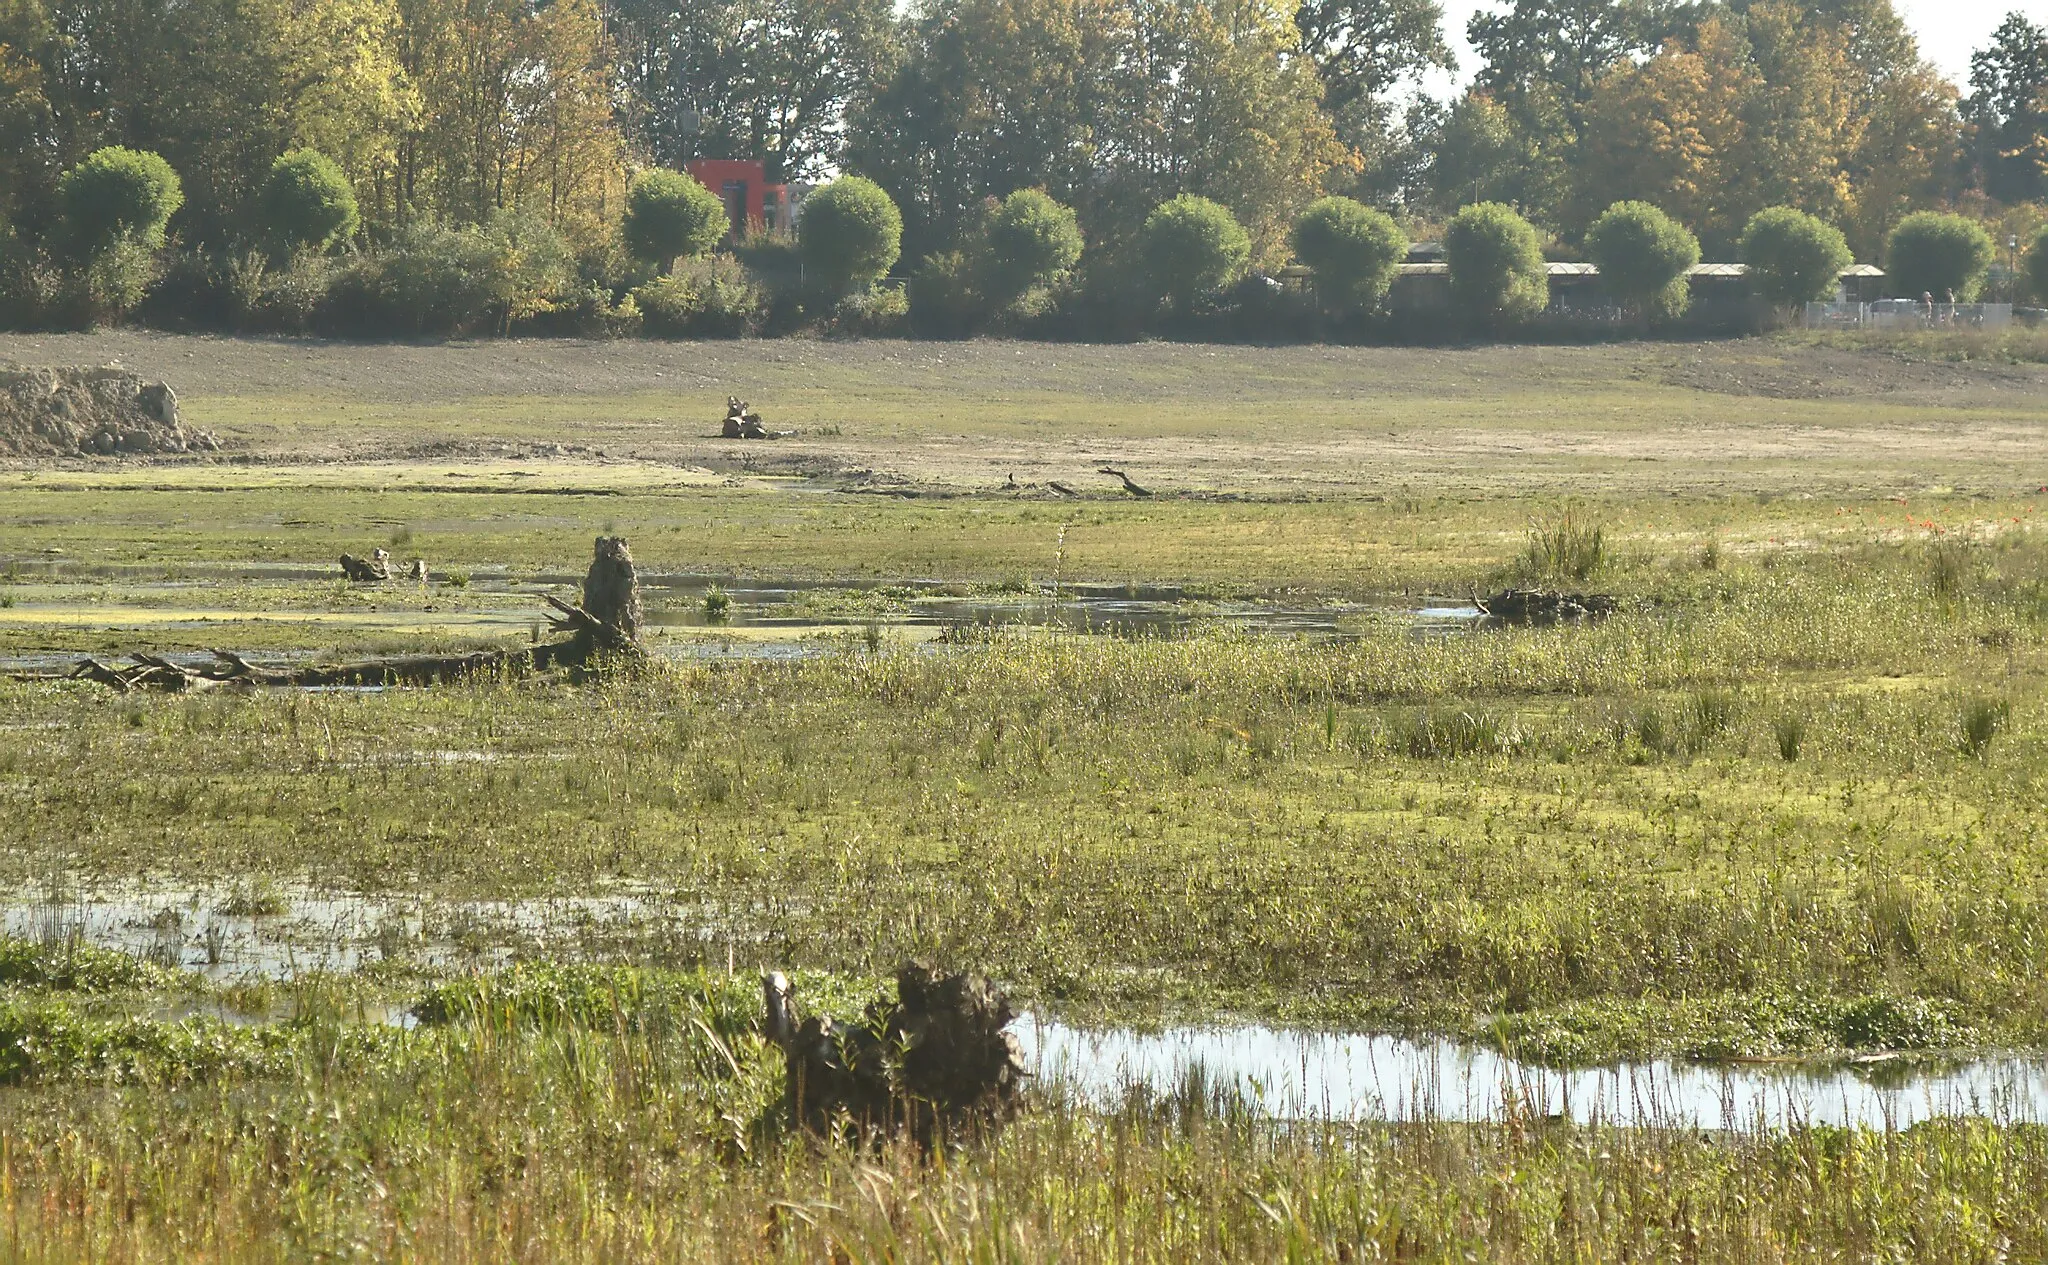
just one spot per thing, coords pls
(611, 590)
(936, 1065)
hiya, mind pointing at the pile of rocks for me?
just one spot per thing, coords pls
(105, 412)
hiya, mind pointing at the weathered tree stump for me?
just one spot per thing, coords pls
(935, 1066)
(611, 592)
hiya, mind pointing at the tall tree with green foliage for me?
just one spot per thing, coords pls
(1110, 106)
(850, 235)
(774, 80)
(1542, 58)
(1355, 250)
(2034, 267)
(670, 215)
(1363, 51)
(2008, 109)
(1643, 255)
(992, 96)
(1793, 257)
(1497, 269)
(1478, 150)
(1938, 254)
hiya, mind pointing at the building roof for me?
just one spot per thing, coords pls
(1592, 270)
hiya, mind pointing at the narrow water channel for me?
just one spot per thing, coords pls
(1349, 1077)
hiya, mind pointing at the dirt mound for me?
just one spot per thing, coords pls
(71, 412)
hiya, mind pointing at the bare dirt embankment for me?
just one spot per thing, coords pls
(431, 373)
(1775, 414)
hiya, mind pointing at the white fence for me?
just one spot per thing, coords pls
(1908, 314)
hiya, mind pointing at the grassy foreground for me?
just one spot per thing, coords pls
(621, 1115)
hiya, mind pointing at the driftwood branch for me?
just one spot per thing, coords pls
(1129, 486)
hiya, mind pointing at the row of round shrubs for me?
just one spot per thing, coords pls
(115, 207)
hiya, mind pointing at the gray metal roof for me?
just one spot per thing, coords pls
(1591, 270)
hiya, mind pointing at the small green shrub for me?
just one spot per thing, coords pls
(1705, 716)
(717, 602)
(434, 279)
(589, 312)
(945, 300)
(708, 297)
(1355, 250)
(258, 898)
(1951, 564)
(73, 966)
(1643, 255)
(1792, 256)
(306, 203)
(1191, 247)
(670, 215)
(850, 234)
(883, 312)
(1935, 253)
(1496, 260)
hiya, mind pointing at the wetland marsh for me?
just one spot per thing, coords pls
(469, 972)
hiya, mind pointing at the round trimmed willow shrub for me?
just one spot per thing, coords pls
(671, 216)
(307, 203)
(1931, 252)
(850, 234)
(119, 195)
(1029, 241)
(1355, 251)
(1793, 257)
(1496, 259)
(1189, 247)
(1643, 255)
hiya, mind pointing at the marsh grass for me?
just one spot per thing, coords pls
(1788, 730)
(1566, 548)
(1951, 565)
(1980, 720)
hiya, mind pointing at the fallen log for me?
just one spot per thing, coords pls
(604, 628)
(1541, 606)
(1129, 486)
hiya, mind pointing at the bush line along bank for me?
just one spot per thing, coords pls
(1023, 267)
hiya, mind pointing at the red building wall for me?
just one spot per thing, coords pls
(742, 184)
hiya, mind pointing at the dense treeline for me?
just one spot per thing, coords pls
(411, 166)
